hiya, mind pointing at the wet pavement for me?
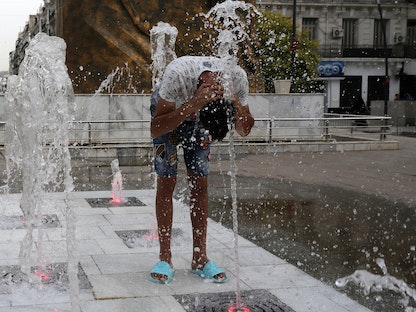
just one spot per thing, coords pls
(117, 250)
(327, 214)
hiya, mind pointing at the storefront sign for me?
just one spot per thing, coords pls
(331, 69)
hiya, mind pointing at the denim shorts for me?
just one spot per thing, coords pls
(196, 144)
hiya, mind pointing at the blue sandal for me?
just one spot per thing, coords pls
(162, 268)
(209, 271)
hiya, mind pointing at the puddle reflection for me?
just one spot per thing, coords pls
(327, 232)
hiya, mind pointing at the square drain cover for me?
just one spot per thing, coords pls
(254, 300)
(105, 202)
(150, 238)
(18, 222)
(55, 275)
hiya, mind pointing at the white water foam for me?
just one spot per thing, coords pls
(370, 283)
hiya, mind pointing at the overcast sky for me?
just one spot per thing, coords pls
(13, 16)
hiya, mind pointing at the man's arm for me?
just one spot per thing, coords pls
(167, 117)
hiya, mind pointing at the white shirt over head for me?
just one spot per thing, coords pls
(180, 79)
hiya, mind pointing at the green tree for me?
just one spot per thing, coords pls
(275, 37)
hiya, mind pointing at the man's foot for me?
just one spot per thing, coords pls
(162, 273)
(211, 271)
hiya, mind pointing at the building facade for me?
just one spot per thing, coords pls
(360, 42)
(350, 33)
(45, 20)
(112, 38)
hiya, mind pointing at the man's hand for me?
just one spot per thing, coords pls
(244, 121)
(168, 118)
(207, 93)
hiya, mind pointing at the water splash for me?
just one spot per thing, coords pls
(233, 175)
(153, 234)
(117, 195)
(118, 75)
(370, 282)
(41, 109)
(162, 40)
(231, 19)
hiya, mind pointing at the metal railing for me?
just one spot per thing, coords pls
(364, 51)
(328, 2)
(100, 133)
(329, 127)
(404, 126)
(110, 132)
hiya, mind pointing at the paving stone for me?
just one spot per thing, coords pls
(118, 246)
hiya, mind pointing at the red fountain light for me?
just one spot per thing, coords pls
(115, 201)
(42, 275)
(238, 309)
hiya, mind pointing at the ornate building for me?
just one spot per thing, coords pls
(355, 56)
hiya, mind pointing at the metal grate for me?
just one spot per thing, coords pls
(54, 275)
(18, 222)
(105, 202)
(254, 300)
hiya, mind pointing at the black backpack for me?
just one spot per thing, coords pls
(218, 118)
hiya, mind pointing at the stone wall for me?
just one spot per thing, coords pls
(127, 107)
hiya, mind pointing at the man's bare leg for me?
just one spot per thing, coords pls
(164, 216)
(198, 186)
(199, 217)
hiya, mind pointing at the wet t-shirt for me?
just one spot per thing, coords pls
(180, 79)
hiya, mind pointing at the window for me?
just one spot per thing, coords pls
(350, 27)
(311, 26)
(378, 33)
(411, 33)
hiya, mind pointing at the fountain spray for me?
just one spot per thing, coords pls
(117, 196)
(41, 104)
(162, 40)
(231, 20)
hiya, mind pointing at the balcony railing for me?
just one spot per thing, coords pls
(333, 2)
(393, 51)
